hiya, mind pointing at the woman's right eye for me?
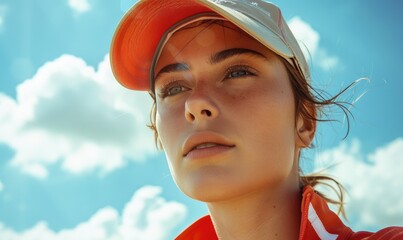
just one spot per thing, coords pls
(172, 89)
(175, 90)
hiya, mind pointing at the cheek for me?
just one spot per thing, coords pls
(170, 131)
(164, 129)
(271, 140)
(168, 125)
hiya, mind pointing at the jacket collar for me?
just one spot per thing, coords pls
(317, 222)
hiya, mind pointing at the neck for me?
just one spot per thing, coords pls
(271, 214)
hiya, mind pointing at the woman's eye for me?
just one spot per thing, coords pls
(175, 90)
(172, 89)
(238, 74)
(238, 71)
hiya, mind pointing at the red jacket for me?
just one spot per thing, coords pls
(318, 222)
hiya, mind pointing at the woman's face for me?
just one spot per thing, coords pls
(225, 113)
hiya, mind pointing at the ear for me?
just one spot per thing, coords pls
(305, 131)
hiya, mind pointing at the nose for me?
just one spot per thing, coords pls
(200, 107)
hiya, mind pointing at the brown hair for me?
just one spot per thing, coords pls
(310, 104)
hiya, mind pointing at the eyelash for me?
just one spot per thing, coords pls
(238, 68)
(165, 90)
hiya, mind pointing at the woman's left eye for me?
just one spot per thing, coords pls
(238, 71)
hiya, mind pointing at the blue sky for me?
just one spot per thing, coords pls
(76, 159)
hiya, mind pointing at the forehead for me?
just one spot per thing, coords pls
(214, 35)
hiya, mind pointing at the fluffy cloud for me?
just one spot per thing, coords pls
(80, 6)
(146, 216)
(75, 116)
(309, 40)
(1, 186)
(373, 182)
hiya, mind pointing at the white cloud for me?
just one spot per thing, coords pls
(35, 169)
(1, 186)
(309, 40)
(146, 216)
(374, 182)
(80, 6)
(73, 115)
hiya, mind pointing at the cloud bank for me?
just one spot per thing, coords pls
(373, 181)
(309, 41)
(146, 216)
(70, 114)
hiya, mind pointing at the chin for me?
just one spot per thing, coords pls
(209, 194)
(213, 187)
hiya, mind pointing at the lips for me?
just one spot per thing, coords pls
(204, 140)
(205, 145)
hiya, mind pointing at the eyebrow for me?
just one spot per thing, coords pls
(214, 59)
(225, 54)
(174, 67)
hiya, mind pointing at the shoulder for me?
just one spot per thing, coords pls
(201, 229)
(389, 233)
(321, 223)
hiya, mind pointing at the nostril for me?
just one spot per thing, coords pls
(191, 117)
(206, 112)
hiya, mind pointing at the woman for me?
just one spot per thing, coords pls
(232, 111)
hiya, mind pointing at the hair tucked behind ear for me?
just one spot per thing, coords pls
(310, 104)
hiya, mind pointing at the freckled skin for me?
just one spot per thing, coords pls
(256, 113)
(252, 188)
